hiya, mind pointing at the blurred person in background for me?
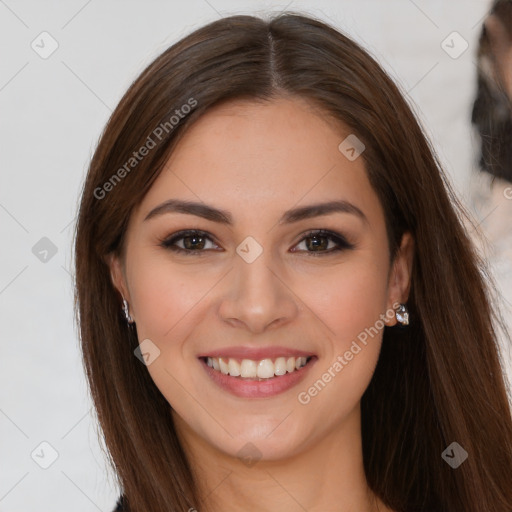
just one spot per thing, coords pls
(491, 185)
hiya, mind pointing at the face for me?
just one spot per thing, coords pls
(258, 284)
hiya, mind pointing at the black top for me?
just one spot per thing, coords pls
(120, 505)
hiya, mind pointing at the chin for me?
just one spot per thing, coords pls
(271, 439)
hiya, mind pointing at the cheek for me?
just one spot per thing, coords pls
(174, 307)
(349, 299)
(168, 301)
(352, 308)
(164, 298)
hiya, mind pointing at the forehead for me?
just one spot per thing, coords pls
(255, 156)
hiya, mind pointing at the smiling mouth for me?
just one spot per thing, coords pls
(264, 369)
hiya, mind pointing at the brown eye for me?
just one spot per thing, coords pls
(192, 241)
(318, 242)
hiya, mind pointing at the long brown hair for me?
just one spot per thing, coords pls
(436, 382)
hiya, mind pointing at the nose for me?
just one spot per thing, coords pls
(257, 295)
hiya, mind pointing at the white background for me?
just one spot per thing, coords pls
(53, 111)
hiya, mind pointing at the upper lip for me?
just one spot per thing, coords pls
(256, 354)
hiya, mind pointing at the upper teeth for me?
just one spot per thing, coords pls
(263, 369)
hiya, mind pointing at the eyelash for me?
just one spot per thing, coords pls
(168, 243)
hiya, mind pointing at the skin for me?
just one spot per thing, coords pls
(257, 160)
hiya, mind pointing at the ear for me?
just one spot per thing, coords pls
(399, 283)
(117, 274)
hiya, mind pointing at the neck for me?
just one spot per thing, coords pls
(327, 474)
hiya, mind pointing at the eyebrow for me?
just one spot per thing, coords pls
(224, 217)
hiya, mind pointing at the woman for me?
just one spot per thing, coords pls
(279, 306)
(491, 185)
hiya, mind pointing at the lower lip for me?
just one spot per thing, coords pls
(248, 388)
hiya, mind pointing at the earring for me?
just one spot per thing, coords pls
(129, 319)
(402, 314)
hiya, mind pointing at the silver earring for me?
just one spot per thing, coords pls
(129, 319)
(402, 314)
